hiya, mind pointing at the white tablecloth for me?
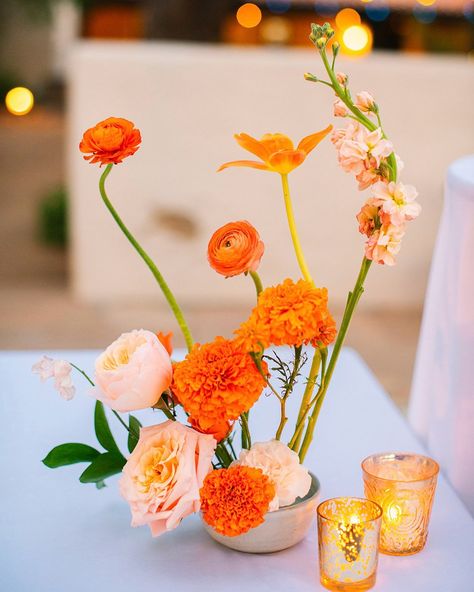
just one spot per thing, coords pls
(57, 535)
(442, 400)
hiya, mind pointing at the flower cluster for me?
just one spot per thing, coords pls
(216, 382)
(366, 154)
(60, 370)
(236, 499)
(291, 313)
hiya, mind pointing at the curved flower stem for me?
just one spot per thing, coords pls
(147, 259)
(287, 393)
(293, 230)
(257, 281)
(352, 301)
(245, 431)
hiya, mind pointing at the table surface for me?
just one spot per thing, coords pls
(58, 535)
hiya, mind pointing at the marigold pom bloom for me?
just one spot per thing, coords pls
(216, 382)
(276, 151)
(236, 499)
(235, 248)
(110, 141)
(288, 314)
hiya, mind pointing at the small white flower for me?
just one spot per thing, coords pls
(60, 370)
(282, 466)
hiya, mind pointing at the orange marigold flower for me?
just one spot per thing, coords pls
(276, 151)
(219, 430)
(236, 499)
(110, 141)
(217, 382)
(235, 248)
(288, 314)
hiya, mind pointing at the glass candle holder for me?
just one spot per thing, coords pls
(404, 486)
(348, 540)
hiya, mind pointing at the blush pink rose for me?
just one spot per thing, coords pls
(162, 478)
(133, 372)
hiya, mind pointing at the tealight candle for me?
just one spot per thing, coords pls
(404, 486)
(348, 541)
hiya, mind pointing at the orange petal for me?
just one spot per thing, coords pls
(252, 145)
(276, 142)
(310, 142)
(244, 163)
(285, 161)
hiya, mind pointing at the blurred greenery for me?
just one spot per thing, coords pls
(53, 219)
(8, 80)
(41, 9)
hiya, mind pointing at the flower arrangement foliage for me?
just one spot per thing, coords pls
(175, 469)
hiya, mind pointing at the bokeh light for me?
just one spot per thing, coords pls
(248, 15)
(347, 17)
(276, 29)
(19, 100)
(377, 11)
(325, 8)
(426, 2)
(468, 11)
(357, 40)
(424, 14)
(278, 6)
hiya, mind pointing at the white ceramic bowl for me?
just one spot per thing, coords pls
(282, 529)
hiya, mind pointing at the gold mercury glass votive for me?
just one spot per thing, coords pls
(404, 485)
(348, 541)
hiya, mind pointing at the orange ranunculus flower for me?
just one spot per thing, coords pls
(219, 430)
(166, 341)
(276, 151)
(110, 141)
(235, 248)
(291, 313)
(217, 382)
(236, 499)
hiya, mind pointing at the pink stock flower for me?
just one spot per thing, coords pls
(162, 477)
(367, 217)
(365, 101)
(384, 244)
(340, 110)
(133, 372)
(397, 201)
(60, 370)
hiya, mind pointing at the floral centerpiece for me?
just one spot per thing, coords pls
(190, 461)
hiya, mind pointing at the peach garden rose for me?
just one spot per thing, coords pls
(162, 477)
(133, 372)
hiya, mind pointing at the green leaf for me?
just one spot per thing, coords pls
(68, 454)
(100, 484)
(105, 465)
(134, 432)
(102, 429)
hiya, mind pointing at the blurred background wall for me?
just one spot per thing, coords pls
(190, 74)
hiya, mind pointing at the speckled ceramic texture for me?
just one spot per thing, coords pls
(282, 529)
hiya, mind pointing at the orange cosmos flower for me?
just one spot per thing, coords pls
(216, 382)
(236, 499)
(288, 314)
(276, 151)
(235, 248)
(110, 141)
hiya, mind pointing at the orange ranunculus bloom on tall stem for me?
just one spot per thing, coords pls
(235, 248)
(276, 151)
(110, 141)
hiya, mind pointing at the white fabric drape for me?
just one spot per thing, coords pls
(442, 399)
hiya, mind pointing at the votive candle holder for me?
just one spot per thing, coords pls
(403, 484)
(348, 541)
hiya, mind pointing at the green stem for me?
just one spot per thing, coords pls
(121, 420)
(147, 259)
(352, 301)
(293, 230)
(308, 391)
(245, 431)
(257, 281)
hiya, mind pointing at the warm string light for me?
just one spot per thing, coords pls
(19, 100)
(355, 37)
